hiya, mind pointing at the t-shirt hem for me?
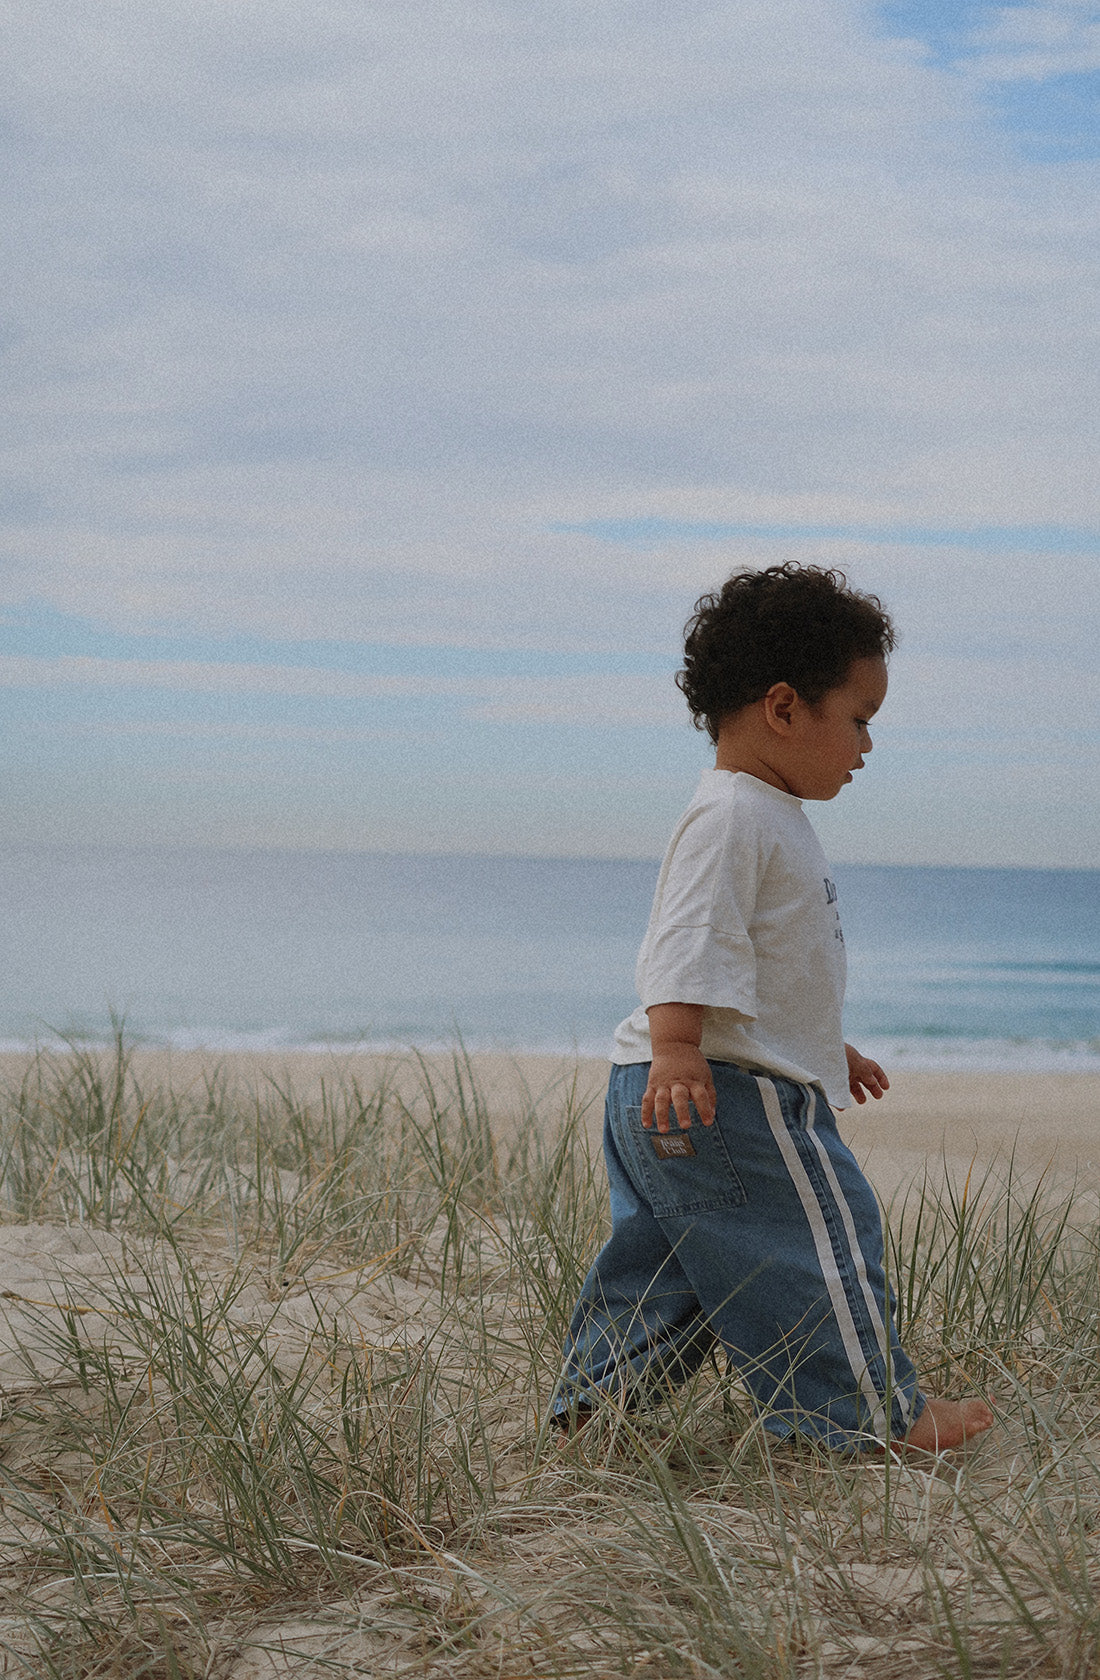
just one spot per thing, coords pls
(622, 1058)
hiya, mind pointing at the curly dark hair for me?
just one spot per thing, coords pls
(801, 625)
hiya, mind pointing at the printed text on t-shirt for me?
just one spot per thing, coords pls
(830, 898)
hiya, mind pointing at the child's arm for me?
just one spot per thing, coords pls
(863, 1072)
(679, 1073)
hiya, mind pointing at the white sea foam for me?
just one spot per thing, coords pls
(984, 1055)
(897, 1055)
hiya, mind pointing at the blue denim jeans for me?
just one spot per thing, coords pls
(768, 1239)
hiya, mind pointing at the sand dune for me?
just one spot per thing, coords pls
(170, 1341)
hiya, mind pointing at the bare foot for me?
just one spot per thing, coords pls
(567, 1425)
(947, 1423)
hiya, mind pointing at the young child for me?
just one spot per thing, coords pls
(755, 1228)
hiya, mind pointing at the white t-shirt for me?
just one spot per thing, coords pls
(745, 922)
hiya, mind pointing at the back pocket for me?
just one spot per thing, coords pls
(675, 1184)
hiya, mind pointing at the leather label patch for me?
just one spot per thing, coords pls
(667, 1145)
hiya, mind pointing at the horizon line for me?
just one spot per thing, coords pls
(654, 860)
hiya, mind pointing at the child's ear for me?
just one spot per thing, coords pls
(779, 704)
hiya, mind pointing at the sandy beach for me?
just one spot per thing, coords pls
(276, 1333)
(1049, 1121)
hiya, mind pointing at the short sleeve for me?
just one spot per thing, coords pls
(700, 965)
(698, 948)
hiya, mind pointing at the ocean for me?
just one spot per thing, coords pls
(965, 968)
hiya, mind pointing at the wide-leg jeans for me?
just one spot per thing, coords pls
(759, 1232)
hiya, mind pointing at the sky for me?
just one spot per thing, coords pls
(385, 379)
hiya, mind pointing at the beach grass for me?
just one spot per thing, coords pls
(274, 1374)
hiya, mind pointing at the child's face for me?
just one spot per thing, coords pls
(827, 742)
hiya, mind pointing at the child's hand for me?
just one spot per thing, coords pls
(678, 1076)
(864, 1075)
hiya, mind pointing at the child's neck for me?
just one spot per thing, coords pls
(739, 755)
(762, 772)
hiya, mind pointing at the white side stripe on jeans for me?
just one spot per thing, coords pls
(857, 1253)
(826, 1259)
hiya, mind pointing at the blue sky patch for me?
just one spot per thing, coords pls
(945, 26)
(989, 539)
(1054, 121)
(1051, 118)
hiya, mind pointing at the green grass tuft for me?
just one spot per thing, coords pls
(274, 1407)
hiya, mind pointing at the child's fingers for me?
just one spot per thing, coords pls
(865, 1083)
(875, 1080)
(667, 1100)
(697, 1095)
(678, 1098)
(681, 1102)
(706, 1102)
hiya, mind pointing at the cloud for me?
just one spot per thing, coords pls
(1037, 41)
(593, 701)
(231, 734)
(226, 679)
(352, 322)
(304, 301)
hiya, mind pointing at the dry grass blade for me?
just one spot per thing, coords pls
(274, 1373)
